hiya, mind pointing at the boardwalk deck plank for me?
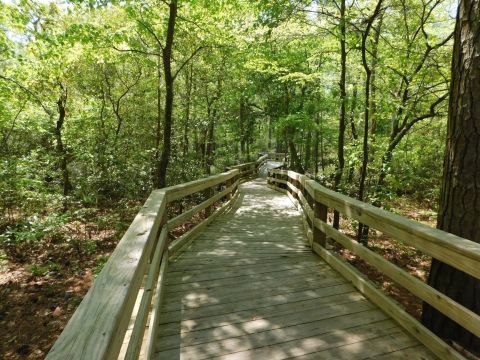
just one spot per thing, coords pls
(248, 287)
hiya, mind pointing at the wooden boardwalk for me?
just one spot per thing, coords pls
(250, 288)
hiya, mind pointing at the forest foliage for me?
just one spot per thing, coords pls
(82, 87)
(103, 101)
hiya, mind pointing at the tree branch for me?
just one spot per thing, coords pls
(192, 55)
(151, 32)
(148, 53)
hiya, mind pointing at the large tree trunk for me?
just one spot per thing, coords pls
(169, 79)
(460, 194)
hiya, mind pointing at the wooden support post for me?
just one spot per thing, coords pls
(209, 193)
(299, 187)
(310, 202)
(234, 180)
(229, 183)
(320, 211)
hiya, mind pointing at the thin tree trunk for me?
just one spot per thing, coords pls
(362, 235)
(373, 100)
(343, 100)
(210, 138)
(322, 148)
(316, 143)
(270, 131)
(354, 134)
(242, 125)
(212, 115)
(169, 95)
(62, 152)
(158, 132)
(308, 150)
(186, 125)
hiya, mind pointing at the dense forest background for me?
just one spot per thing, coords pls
(101, 102)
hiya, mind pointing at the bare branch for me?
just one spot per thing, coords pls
(197, 50)
(151, 32)
(138, 51)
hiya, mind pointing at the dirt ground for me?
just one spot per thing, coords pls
(406, 257)
(43, 282)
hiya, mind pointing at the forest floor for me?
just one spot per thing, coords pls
(396, 252)
(42, 282)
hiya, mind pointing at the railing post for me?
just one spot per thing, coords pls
(320, 211)
(234, 180)
(229, 183)
(209, 193)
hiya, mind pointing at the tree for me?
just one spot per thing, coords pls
(363, 230)
(460, 193)
(343, 101)
(169, 92)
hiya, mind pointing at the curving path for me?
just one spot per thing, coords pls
(250, 288)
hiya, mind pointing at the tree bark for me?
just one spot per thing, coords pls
(308, 150)
(343, 100)
(62, 152)
(212, 117)
(362, 235)
(373, 100)
(169, 95)
(295, 162)
(210, 139)
(188, 97)
(316, 143)
(270, 132)
(460, 193)
(353, 129)
(158, 131)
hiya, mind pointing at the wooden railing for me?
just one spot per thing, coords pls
(97, 328)
(463, 254)
(283, 157)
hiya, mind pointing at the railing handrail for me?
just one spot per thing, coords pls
(463, 254)
(423, 237)
(98, 326)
